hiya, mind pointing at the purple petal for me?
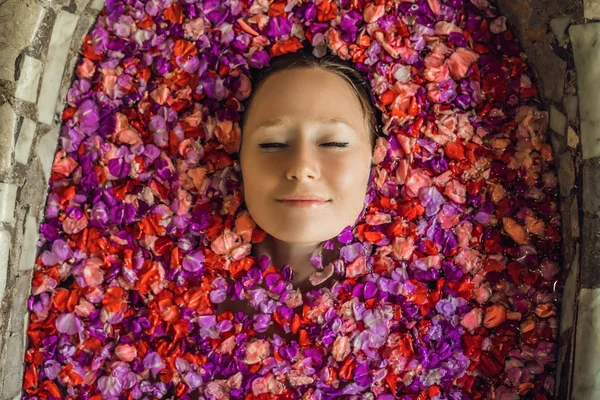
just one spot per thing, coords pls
(87, 116)
(69, 323)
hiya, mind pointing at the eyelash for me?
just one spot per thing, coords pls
(269, 145)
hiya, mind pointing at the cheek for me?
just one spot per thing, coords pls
(257, 178)
(251, 169)
(349, 174)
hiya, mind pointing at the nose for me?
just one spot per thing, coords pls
(303, 164)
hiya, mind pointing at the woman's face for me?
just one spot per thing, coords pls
(298, 113)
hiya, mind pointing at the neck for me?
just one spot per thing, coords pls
(297, 255)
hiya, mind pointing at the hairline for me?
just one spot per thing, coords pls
(369, 114)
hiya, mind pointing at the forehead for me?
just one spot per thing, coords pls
(321, 119)
(305, 95)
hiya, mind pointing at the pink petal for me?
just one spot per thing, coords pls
(69, 324)
(460, 61)
(92, 273)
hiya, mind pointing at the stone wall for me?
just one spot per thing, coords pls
(40, 40)
(559, 37)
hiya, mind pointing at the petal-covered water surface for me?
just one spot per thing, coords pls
(447, 286)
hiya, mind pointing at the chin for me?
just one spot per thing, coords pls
(296, 238)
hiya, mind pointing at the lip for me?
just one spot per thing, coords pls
(302, 197)
(303, 203)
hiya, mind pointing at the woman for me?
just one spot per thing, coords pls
(309, 129)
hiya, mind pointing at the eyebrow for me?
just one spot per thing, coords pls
(324, 120)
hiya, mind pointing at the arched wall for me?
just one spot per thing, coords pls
(40, 40)
(558, 38)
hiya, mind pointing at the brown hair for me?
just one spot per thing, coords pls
(304, 58)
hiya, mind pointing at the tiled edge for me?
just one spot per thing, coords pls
(590, 263)
(586, 367)
(39, 70)
(27, 87)
(23, 19)
(29, 248)
(46, 149)
(8, 195)
(564, 367)
(4, 252)
(567, 312)
(50, 73)
(24, 141)
(591, 9)
(55, 65)
(586, 381)
(591, 187)
(8, 124)
(97, 5)
(545, 30)
(587, 59)
(15, 343)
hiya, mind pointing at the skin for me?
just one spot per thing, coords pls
(305, 162)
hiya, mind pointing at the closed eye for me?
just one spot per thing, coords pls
(277, 145)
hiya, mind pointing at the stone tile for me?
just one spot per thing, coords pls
(20, 20)
(568, 243)
(559, 26)
(84, 26)
(13, 366)
(590, 252)
(570, 103)
(591, 9)
(572, 138)
(586, 381)
(524, 16)
(584, 39)
(98, 5)
(566, 173)
(564, 364)
(4, 250)
(551, 69)
(575, 218)
(590, 144)
(24, 140)
(568, 294)
(25, 324)
(558, 121)
(8, 125)
(558, 142)
(8, 195)
(81, 4)
(15, 339)
(19, 303)
(29, 79)
(591, 188)
(46, 149)
(56, 60)
(29, 249)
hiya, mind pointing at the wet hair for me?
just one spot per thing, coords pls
(304, 58)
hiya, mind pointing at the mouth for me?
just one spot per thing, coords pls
(303, 203)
